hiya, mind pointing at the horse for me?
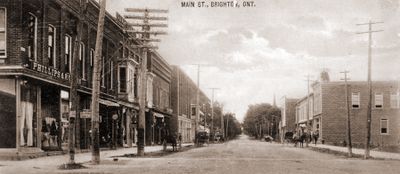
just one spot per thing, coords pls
(170, 139)
(299, 139)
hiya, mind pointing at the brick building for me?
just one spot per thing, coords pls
(183, 102)
(158, 98)
(329, 116)
(37, 41)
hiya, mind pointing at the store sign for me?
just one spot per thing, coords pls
(86, 114)
(121, 20)
(49, 71)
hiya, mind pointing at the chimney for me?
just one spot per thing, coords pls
(324, 76)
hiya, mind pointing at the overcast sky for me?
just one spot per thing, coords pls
(254, 52)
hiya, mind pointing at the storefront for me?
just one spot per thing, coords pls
(129, 113)
(109, 123)
(157, 127)
(36, 114)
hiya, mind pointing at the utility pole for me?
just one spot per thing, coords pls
(197, 102)
(227, 123)
(96, 85)
(368, 138)
(349, 144)
(145, 39)
(308, 110)
(212, 113)
(74, 85)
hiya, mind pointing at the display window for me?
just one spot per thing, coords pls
(28, 118)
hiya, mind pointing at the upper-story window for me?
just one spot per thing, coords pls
(193, 110)
(122, 79)
(394, 100)
(68, 53)
(131, 82)
(355, 100)
(111, 75)
(82, 53)
(51, 45)
(378, 100)
(3, 29)
(91, 56)
(384, 126)
(135, 85)
(103, 67)
(32, 36)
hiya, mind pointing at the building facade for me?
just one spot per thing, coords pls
(183, 102)
(38, 40)
(328, 112)
(158, 98)
(332, 116)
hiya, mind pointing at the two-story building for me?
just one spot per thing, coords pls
(331, 117)
(38, 39)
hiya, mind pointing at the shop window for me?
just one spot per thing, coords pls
(394, 100)
(82, 53)
(28, 119)
(122, 79)
(51, 45)
(3, 32)
(32, 36)
(378, 100)
(355, 100)
(384, 126)
(68, 53)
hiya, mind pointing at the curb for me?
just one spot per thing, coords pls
(345, 154)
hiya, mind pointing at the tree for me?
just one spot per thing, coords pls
(261, 119)
(233, 127)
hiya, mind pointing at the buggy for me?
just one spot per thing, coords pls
(202, 137)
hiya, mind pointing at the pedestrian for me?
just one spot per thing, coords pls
(315, 137)
(180, 140)
(295, 138)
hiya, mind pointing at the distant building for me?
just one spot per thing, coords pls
(183, 97)
(329, 116)
(302, 110)
(288, 113)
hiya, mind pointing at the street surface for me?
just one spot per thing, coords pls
(240, 156)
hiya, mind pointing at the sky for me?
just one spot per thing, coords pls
(254, 53)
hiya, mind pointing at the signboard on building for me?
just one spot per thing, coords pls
(72, 114)
(86, 114)
(49, 71)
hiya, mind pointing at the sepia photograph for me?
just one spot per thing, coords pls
(200, 86)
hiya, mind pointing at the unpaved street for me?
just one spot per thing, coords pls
(238, 156)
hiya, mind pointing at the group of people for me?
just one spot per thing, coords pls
(299, 137)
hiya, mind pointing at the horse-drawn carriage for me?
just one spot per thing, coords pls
(202, 137)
